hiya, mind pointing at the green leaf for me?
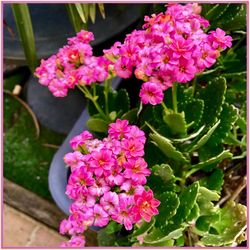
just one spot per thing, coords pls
(230, 226)
(213, 96)
(227, 118)
(216, 11)
(191, 136)
(187, 201)
(131, 116)
(101, 9)
(75, 18)
(164, 171)
(207, 195)
(204, 222)
(214, 181)
(193, 111)
(158, 236)
(97, 125)
(241, 122)
(234, 18)
(203, 140)
(218, 158)
(105, 239)
(92, 12)
(112, 227)
(122, 101)
(144, 228)
(167, 148)
(167, 209)
(194, 213)
(25, 31)
(81, 12)
(176, 123)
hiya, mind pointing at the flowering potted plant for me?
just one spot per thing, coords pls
(153, 169)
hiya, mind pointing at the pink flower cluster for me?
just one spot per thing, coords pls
(172, 47)
(73, 64)
(107, 181)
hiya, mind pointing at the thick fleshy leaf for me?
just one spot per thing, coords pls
(167, 209)
(166, 146)
(176, 123)
(203, 140)
(191, 136)
(157, 235)
(194, 214)
(113, 227)
(213, 181)
(97, 125)
(216, 159)
(144, 228)
(213, 96)
(122, 102)
(131, 116)
(230, 226)
(187, 200)
(193, 111)
(164, 171)
(227, 118)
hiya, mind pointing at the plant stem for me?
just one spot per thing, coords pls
(194, 83)
(88, 95)
(174, 97)
(165, 107)
(106, 95)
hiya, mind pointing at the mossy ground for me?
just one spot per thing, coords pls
(26, 159)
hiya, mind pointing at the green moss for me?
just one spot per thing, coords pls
(26, 160)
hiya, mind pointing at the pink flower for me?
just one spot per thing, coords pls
(109, 201)
(118, 129)
(219, 40)
(80, 140)
(123, 67)
(185, 70)
(58, 88)
(101, 218)
(123, 214)
(151, 93)
(102, 161)
(146, 205)
(137, 170)
(133, 148)
(181, 47)
(74, 159)
(206, 57)
(75, 241)
(78, 183)
(99, 188)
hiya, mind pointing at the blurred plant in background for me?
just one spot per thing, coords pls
(79, 15)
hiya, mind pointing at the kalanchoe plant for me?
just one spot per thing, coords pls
(154, 169)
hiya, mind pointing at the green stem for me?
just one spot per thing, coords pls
(191, 171)
(88, 95)
(106, 95)
(174, 97)
(210, 71)
(165, 107)
(194, 83)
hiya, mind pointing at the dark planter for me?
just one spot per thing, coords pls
(52, 27)
(57, 114)
(58, 173)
